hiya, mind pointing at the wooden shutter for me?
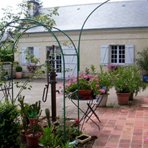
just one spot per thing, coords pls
(36, 52)
(23, 56)
(129, 54)
(104, 54)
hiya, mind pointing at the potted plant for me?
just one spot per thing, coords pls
(123, 85)
(127, 81)
(33, 113)
(34, 130)
(18, 73)
(142, 62)
(86, 86)
(31, 130)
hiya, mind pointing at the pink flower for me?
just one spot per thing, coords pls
(97, 85)
(102, 91)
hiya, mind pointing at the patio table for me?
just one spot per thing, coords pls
(92, 105)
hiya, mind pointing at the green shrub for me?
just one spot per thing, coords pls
(9, 126)
(18, 69)
(142, 60)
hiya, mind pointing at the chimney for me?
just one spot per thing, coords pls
(33, 7)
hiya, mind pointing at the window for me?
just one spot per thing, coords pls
(54, 57)
(29, 52)
(117, 54)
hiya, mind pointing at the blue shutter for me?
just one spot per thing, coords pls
(129, 54)
(23, 56)
(104, 54)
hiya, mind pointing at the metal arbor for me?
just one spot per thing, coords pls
(17, 25)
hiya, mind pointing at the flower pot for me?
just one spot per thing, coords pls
(18, 75)
(85, 94)
(104, 100)
(123, 98)
(33, 139)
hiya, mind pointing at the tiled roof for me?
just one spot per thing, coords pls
(112, 15)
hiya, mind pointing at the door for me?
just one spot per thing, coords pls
(55, 60)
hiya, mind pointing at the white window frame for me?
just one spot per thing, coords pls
(118, 54)
(105, 54)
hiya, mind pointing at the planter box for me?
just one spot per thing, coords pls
(83, 138)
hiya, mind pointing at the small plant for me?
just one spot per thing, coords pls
(34, 110)
(49, 139)
(86, 81)
(9, 125)
(18, 68)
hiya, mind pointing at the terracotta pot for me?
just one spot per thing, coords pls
(131, 97)
(33, 139)
(18, 75)
(104, 100)
(85, 94)
(123, 98)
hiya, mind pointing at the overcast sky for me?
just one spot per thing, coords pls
(50, 3)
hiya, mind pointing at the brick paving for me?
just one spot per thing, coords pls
(123, 127)
(120, 127)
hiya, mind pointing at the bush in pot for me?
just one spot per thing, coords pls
(142, 62)
(127, 80)
(18, 73)
(34, 130)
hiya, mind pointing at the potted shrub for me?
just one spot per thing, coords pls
(34, 130)
(142, 62)
(31, 131)
(123, 85)
(18, 73)
(86, 86)
(127, 81)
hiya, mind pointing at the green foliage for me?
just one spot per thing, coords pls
(105, 79)
(49, 139)
(53, 136)
(18, 68)
(34, 110)
(71, 133)
(83, 84)
(9, 126)
(24, 107)
(127, 79)
(142, 60)
(6, 55)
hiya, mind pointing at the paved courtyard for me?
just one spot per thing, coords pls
(120, 127)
